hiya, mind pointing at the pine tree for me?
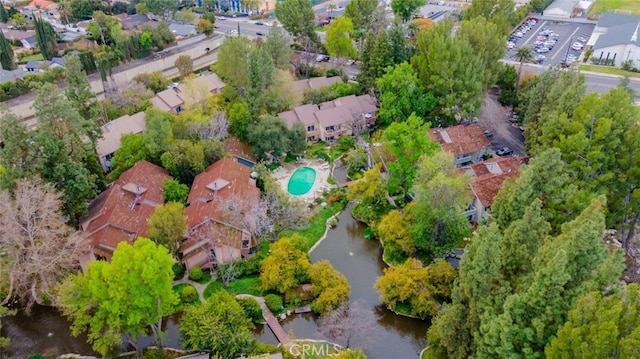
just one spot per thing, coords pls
(46, 38)
(4, 17)
(78, 90)
(6, 53)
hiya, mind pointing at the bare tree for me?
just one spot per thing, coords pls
(128, 94)
(39, 248)
(349, 322)
(216, 128)
(276, 212)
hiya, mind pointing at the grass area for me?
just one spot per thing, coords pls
(178, 290)
(206, 278)
(609, 69)
(34, 57)
(245, 285)
(317, 226)
(212, 288)
(603, 6)
(149, 353)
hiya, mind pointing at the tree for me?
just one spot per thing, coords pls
(163, 8)
(407, 287)
(297, 17)
(376, 56)
(522, 54)
(401, 94)
(600, 327)
(133, 150)
(339, 43)
(297, 138)
(18, 21)
(277, 46)
(78, 90)
(141, 276)
(184, 64)
(219, 325)
(405, 9)
(348, 322)
(154, 81)
(185, 16)
(329, 286)
(5, 341)
(369, 189)
(286, 267)
(184, 160)
(398, 45)
(360, 11)
(276, 212)
(141, 8)
(487, 40)
(269, 138)
(260, 75)
(205, 26)
(38, 248)
(46, 38)
(146, 40)
(233, 59)
(174, 191)
(6, 52)
(396, 238)
(239, 120)
(167, 226)
(499, 12)
(351, 354)
(451, 70)
(158, 134)
(406, 141)
(4, 17)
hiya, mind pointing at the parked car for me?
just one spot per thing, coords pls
(539, 58)
(260, 33)
(489, 134)
(543, 50)
(518, 34)
(259, 23)
(504, 151)
(577, 46)
(221, 18)
(322, 58)
(581, 39)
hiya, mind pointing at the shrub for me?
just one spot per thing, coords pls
(196, 274)
(334, 72)
(273, 302)
(36, 356)
(178, 271)
(188, 295)
(337, 197)
(252, 308)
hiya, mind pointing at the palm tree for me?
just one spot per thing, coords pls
(330, 8)
(523, 54)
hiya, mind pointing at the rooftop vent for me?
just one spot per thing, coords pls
(445, 135)
(134, 188)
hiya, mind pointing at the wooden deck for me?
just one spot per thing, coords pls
(272, 321)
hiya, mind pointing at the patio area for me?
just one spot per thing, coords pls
(320, 185)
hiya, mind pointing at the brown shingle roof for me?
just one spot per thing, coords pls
(460, 140)
(490, 174)
(117, 214)
(112, 132)
(315, 82)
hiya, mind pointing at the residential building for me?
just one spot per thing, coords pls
(130, 22)
(333, 119)
(181, 30)
(113, 131)
(315, 83)
(122, 211)
(21, 36)
(488, 177)
(174, 98)
(34, 66)
(29, 43)
(467, 143)
(615, 39)
(219, 215)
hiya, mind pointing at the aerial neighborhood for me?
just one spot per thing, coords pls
(319, 179)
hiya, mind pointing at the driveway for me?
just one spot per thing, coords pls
(495, 118)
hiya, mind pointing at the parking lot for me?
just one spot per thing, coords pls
(560, 39)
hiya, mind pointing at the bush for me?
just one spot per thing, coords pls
(334, 72)
(188, 295)
(252, 309)
(273, 302)
(196, 274)
(36, 356)
(178, 271)
(337, 197)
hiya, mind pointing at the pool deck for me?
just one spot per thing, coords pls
(323, 171)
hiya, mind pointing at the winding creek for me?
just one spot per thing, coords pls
(384, 334)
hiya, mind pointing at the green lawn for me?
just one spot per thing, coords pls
(609, 70)
(34, 57)
(603, 6)
(245, 285)
(178, 290)
(212, 288)
(315, 229)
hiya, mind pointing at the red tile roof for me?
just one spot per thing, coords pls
(117, 214)
(490, 174)
(460, 140)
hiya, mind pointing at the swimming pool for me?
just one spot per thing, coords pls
(301, 181)
(244, 161)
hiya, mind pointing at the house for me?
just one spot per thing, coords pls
(29, 42)
(19, 36)
(333, 119)
(488, 177)
(112, 133)
(42, 5)
(33, 66)
(219, 215)
(183, 30)
(315, 83)
(174, 98)
(130, 22)
(615, 40)
(561, 9)
(122, 211)
(467, 143)
(11, 75)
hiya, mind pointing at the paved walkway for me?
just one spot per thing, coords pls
(271, 320)
(199, 287)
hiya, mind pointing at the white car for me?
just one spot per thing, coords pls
(510, 45)
(543, 50)
(577, 46)
(221, 18)
(233, 32)
(518, 34)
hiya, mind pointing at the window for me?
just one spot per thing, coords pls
(178, 109)
(332, 128)
(311, 128)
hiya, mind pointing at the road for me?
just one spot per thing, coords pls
(595, 82)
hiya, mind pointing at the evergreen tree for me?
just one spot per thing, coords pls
(6, 53)
(260, 75)
(398, 45)
(78, 89)
(4, 17)
(46, 38)
(378, 57)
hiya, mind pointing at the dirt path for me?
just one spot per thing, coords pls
(493, 117)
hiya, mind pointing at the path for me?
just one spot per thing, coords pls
(199, 287)
(271, 320)
(493, 117)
